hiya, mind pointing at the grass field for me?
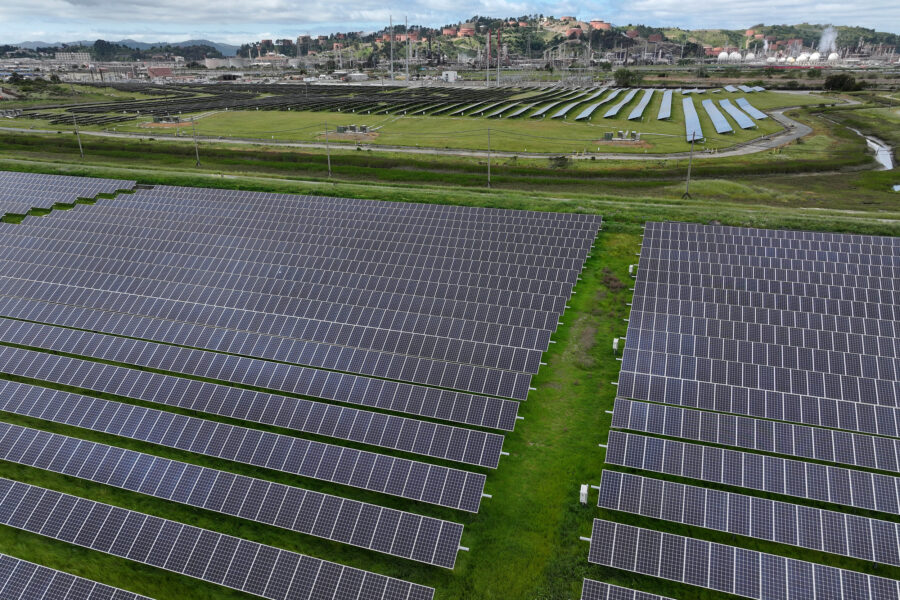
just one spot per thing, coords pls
(524, 544)
(468, 132)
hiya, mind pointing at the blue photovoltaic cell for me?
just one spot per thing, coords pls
(692, 129)
(750, 110)
(745, 89)
(639, 109)
(665, 108)
(719, 121)
(588, 111)
(742, 119)
(730, 88)
(615, 109)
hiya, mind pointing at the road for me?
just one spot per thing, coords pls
(792, 131)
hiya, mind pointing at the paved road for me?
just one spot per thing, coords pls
(793, 130)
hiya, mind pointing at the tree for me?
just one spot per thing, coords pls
(627, 78)
(841, 82)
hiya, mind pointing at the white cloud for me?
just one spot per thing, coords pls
(237, 21)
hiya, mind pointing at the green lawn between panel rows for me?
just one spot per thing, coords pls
(466, 132)
(524, 544)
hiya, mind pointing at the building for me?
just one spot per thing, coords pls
(573, 32)
(466, 30)
(449, 31)
(448, 76)
(568, 19)
(598, 24)
(632, 33)
(655, 38)
(73, 57)
(523, 23)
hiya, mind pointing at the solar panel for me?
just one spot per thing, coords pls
(327, 420)
(23, 580)
(347, 466)
(641, 105)
(751, 110)
(718, 119)
(616, 108)
(665, 106)
(360, 524)
(739, 116)
(199, 553)
(795, 525)
(861, 489)
(728, 569)
(596, 590)
(692, 128)
(827, 445)
(591, 108)
(730, 88)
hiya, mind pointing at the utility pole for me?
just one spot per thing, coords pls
(489, 157)
(499, 50)
(78, 136)
(328, 150)
(392, 48)
(196, 147)
(406, 26)
(687, 184)
(487, 61)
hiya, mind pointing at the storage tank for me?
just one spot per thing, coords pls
(771, 60)
(833, 56)
(735, 56)
(815, 57)
(723, 56)
(750, 56)
(803, 57)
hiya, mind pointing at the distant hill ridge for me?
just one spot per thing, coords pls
(225, 49)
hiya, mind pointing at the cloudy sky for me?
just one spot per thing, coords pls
(234, 21)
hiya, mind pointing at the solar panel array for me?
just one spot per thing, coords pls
(200, 553)
(827, 445)
(837, 485)
(777, 343)
(596, 590)
(185, 318)
(400, 347)
(728, 569)
(360, 524)
(495, 413)
(793, 524)
(390, 475)
(23, 580)
(21, 192)
(327, 420)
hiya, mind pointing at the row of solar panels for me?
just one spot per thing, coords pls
(741, 114)
(22, 192)
(784, 373)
